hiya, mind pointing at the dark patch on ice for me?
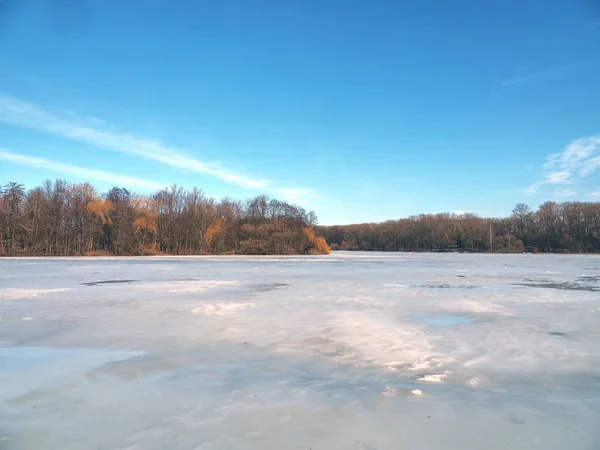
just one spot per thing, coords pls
(560, 286)
(447, 321)
(15, 334)
(447, 286)
(35, 395)
(99, 283)
(268, 286)
(588, 279)
(558, 333)
(515, 419)
(327, 347)
(140, 366)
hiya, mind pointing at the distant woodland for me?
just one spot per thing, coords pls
(554, 227)
(60, 218)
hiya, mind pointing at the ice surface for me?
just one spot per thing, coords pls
(349, 351)
(447, 321)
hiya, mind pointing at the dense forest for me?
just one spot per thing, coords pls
(554, 227)
(62, 218)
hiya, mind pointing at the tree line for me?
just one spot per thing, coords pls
(61, 218)
(554, 227)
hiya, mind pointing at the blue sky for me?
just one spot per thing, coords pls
(362, 111)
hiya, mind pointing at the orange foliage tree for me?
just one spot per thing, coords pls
(62, 218)
(318, 244)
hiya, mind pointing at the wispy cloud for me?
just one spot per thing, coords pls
(567, 169)
(566, 192)
(514, 81)
(534, 76)
(76, 171)
(88, 129)
(302, 196)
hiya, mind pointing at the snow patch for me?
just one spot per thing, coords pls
(185, 286)
(221, 309)
(390, 392)
(377, 340)
(476, 306)
(472, 362)
(474, 382)
(434, 378)
(16, 293)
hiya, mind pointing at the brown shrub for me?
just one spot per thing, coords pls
(318, 244)
(151, 250)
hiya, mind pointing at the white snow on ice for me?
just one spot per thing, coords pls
(221, 309)
(16, 293)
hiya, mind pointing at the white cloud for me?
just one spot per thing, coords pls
(532, 189)
(577, 161)
(558, 177)
(76, 171)
(87, 129)
(591, 166)
(298, 195)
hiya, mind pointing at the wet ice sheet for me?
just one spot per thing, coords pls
(29, 369)
(300, 352)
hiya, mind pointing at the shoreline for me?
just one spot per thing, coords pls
(333, 253)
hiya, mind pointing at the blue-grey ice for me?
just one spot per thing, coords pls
(447, 321)
(346, 351)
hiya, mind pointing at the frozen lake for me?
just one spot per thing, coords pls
(346, 351)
